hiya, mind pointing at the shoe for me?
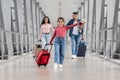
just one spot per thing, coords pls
(60, 66)
(55, 66)
(75, 57)
(72, 57)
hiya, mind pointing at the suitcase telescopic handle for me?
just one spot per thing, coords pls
(50, 47)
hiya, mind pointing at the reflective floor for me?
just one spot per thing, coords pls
(89, 68)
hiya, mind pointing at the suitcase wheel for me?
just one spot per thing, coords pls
(33, 56)
(45, 65)
(38, 65)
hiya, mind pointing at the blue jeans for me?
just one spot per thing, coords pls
(59, 46)
(75, 42)
(45, 39)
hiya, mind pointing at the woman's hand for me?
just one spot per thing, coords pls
(40, 40)
(51, 43)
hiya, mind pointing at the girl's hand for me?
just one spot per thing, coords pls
(82, 22)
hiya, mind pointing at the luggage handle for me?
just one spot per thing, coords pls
(50, 47)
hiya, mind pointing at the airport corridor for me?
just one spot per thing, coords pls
(72, 26)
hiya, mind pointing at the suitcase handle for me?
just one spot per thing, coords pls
(50, 47)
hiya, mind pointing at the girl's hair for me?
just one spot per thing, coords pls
(43, 21)
(61, 18)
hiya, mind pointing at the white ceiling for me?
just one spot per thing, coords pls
(51, 8)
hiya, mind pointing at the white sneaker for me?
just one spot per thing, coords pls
(75, 57)
(60, 66)
(72, 56)
(55, 66)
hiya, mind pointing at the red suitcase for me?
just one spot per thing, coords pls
(43, 56)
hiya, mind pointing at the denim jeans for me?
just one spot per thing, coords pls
(45, 39)
(59, 46)
(75, 42)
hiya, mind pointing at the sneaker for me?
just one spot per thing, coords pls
(72, 57)
(55, 66)
(75, 57)
(60, 66)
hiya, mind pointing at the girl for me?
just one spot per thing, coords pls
(60, 42)
(45, 31)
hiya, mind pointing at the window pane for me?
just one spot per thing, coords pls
(13, 14)
(119, 3)
(119, 17)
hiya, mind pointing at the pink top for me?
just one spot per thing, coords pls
(61, 31)
(45, 28)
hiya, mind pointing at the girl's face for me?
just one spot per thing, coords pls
(46, 20)
(60, 22)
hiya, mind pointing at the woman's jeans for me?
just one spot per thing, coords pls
(75, 39)
(59, 46)
(45, 39)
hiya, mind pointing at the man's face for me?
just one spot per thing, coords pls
(75, 16)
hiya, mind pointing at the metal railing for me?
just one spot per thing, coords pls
(109, 50)
(14, 45)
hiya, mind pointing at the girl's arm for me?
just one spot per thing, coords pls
(53, 36)
(71, 26)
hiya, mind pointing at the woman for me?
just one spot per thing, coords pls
(45, 31)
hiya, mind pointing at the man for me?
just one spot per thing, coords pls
(74, 33)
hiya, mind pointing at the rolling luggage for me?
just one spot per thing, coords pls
(43, 56)
(37, 48)
(81, 49)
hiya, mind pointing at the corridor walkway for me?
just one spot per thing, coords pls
(89, 68)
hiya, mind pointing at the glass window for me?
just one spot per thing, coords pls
(105, 11)
(13, 14)
(12, 3)
(119, 3)
(119, 17)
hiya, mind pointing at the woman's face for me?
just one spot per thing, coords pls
(60, 22)
(46, 20)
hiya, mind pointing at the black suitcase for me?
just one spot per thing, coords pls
(81, 50)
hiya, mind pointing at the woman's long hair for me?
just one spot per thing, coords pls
(43, 21)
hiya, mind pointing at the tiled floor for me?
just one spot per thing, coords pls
(89, 68)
